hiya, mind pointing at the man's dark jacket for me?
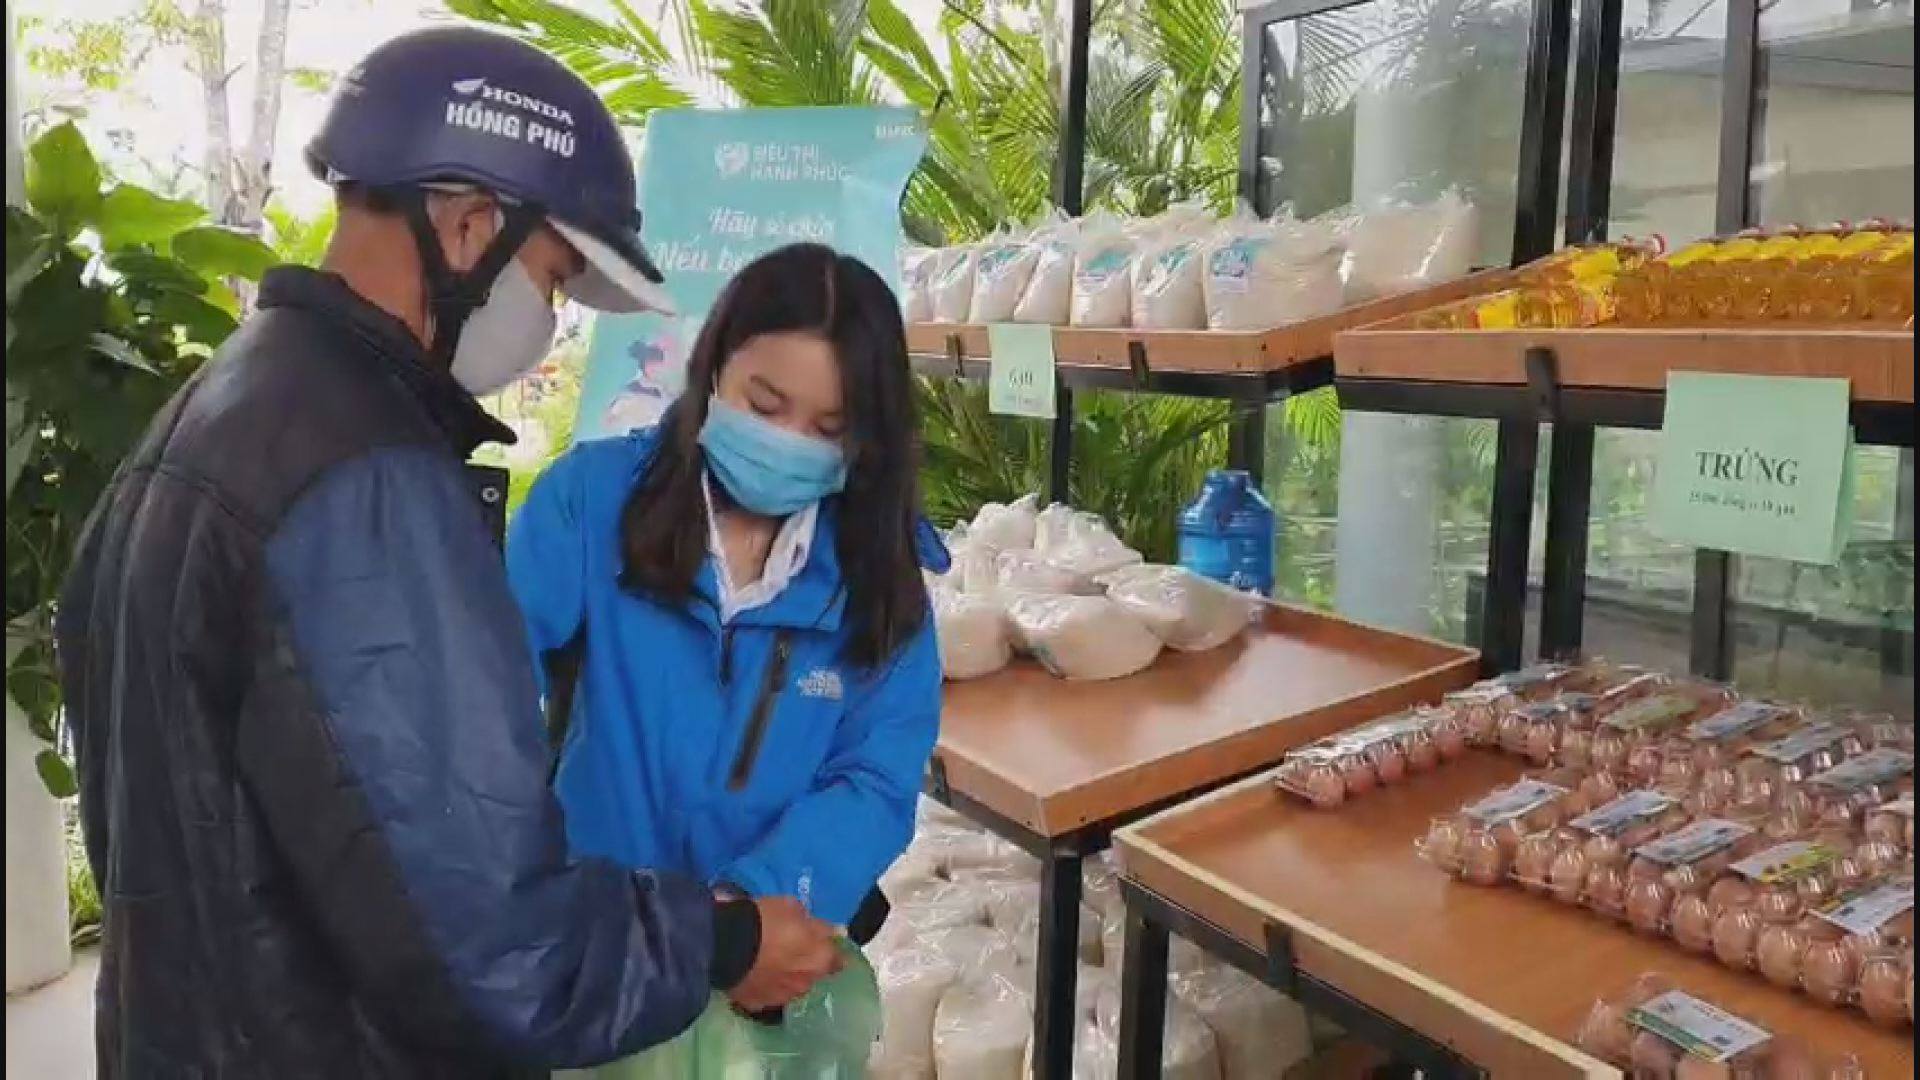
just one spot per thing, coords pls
(312, 766)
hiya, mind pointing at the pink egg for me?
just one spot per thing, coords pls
(1606, 889)
(1449, 739)
(1735, 931)
(1780, 950)
(1886, 991)
(1422, 754)
(1390, 765)
(1568, 874)
(1359, 776)
(1648, 902)
(1575, 748)
(1483, 860)
(1442, 844)
(1326, 787)
(1693, 924)
(1828, 972)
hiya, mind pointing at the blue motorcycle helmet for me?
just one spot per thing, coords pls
(457, 107)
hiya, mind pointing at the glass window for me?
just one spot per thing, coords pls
(1396, 97)
(1667, 124)
(1833, 140)
(1385, 517)
(1833, 136)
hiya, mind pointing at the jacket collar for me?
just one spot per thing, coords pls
(454, 411)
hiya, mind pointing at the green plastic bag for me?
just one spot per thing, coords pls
(827, 1035)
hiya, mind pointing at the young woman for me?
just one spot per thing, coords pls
(758, 687)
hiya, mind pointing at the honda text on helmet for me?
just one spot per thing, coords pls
(457, 109)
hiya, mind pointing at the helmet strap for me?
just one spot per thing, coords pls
(452, 297)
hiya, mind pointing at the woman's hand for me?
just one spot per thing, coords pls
(796, 951)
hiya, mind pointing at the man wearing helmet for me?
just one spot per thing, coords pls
(313, 775)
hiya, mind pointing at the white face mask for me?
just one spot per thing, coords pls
(507, 336)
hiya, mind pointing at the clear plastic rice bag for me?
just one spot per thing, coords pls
(1086, 547)
(1183, 609)
(1168, 272)
(981, 1028)
(1102, 277)
(1002, 270)
(1189, 1050)
(1082, 637)
(1262, 274)
(1006, 527)
(951, 286)
(916, 271)
(1397, 246)
(1048, 297)
(971, 631)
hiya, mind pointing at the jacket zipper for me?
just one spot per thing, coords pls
(762, 714)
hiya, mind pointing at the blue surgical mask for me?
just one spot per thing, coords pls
(766, 468)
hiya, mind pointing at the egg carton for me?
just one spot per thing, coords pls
(1352, 763)
(1850, 949)
(1590, 847)
(1480, 842)
(1657, 1031)
(1892, 822)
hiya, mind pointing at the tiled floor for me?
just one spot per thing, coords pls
(50, 1031)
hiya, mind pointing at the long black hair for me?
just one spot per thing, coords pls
(809, 289)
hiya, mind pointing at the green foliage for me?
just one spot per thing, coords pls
(297, 240)
(85, 917)
(113, 298)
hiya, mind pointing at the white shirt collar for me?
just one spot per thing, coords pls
(785, 559)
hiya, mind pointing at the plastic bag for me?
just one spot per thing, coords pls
(1183, 609)
(1082, 637)
(1014, 909)
(1260, 1033)
(1189, 1050)
(829, 1032)
(1169, 272)
(1262, 274)
(1001, 273)
(951, 287)
(1048, 297)
(916, 270)
(1102, 282)
(971, 632)
(1023, 573)
(1050, 527)
(1087, 548)
(1396, 247)
(912, 981)
(981, 1028)
(1006, 527)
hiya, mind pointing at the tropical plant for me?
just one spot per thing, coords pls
(114, 296)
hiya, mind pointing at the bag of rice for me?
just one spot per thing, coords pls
(951, 287)
(1260, 1033)
(1188, 1050)
(1008, 528)
(916, 270)
(971, 632)
(1088, 549)
(912, 982)
(1050, 527)
(1082, 637)
(1396, 247)
(1262, 274)
(1048, 297)
(981, 1028)
(1183, 609)
(1001, 272)
(1102, 283)
(1022, 573)
(1167, 273)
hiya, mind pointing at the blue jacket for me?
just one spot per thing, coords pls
(750, 754)
(311, 770)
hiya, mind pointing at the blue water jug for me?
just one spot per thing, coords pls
(1226, 533)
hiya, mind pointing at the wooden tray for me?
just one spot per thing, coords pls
(1054, 755)
(1208, 350)
(1879, 361)
(1501, 975)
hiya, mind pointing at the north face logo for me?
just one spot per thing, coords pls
(823, 683)
(513, 98)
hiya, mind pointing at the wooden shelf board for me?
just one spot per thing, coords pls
(1501, 975)
(1055, 756)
